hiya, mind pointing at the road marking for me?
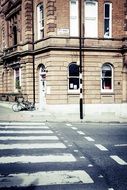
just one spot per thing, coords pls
(82, 157)
(100, 176)
(24, 127)
(45, 178)
(80, 132)
(110, 189)
(101, 147)
(120, 145)
(32, 146)
(21, 123)
(118, 160)
(29, 138)
(26, 132)
(37, 159)
(74, 128)
(75, 150)
(89, 138)
(68, 124)
(90, 165)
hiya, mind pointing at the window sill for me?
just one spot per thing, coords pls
(73, 92)
(107, 93)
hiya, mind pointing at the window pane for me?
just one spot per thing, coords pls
(40, 20)
(17, 79)
(106, 71)
(106, 83)
(73, 70)
(73, 83)
(108, 20)
(106, 27)
(107, 10)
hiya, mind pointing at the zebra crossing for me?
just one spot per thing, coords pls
(29, 151)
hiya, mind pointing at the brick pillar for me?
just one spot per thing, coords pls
(51, 17)
(27, 20)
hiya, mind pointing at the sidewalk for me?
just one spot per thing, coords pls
(48, 116)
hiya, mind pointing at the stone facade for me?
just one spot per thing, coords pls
(21, 49)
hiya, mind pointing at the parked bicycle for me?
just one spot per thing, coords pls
(23, 105)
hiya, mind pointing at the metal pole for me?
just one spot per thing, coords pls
(33, 52)
(80, 58)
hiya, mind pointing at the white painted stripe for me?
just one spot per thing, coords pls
(46, 178)
(120, 145)
(26, 131)
(101, 147)
(37, 159)
(75, 150)
(68, 124)
(21, 123)
(24, 127)
(89, 138)
(80, 75)
(80, 132)
(81, 96)
(31, 146)
(74, 128)
(80, 85)
(118, 160)
(29, 138)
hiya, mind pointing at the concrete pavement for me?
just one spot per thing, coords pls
(47, 115)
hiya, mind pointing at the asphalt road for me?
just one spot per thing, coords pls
(63, 156)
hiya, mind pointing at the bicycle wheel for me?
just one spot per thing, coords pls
(16, 107)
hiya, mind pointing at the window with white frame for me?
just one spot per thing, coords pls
(40, 21)
(107, 78)
(73, 78)
(17, 78)
(91, 18)
(74, 27)
(108, 20)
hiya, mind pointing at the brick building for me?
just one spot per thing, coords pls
(40, 53)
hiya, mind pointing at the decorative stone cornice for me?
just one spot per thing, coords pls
(10, 6)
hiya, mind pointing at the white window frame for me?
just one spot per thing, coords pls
(74, 18)
(108, 34)
(90, 19)
(112, 79)
(15, 70)
(40, 21)
(73, 90)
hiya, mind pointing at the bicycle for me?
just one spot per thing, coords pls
(23, 105)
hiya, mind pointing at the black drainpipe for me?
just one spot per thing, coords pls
(80, 59)
(33, 52)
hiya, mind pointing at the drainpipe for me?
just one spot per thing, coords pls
(33, 52)
(80, 59)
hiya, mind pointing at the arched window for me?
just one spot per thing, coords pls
(107, 78)
(73, 77)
